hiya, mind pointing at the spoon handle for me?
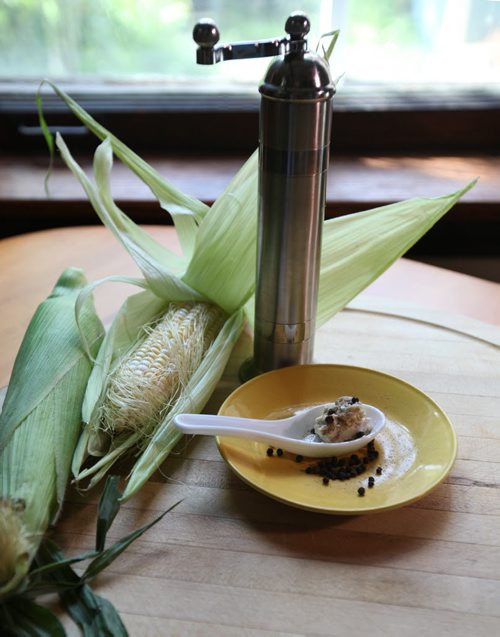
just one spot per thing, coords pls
(209, 425)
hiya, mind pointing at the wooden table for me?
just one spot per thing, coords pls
(228, 560)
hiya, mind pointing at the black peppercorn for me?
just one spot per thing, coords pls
(379, 471)
(270, 451)
(361, 491)
(299, 458)
(279, 452)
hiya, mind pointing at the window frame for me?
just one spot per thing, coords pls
(380, 119)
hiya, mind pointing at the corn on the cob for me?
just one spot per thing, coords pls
(40, 423)
(199, 352)
(150, 377)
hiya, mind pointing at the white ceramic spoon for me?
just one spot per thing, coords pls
(286, 433)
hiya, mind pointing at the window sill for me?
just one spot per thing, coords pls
(355, 183)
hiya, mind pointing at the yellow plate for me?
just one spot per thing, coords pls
(417, 447)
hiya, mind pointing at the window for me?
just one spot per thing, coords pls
(397, 58)
(147, 42)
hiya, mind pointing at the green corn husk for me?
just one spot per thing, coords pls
(40, 423)
(218, 266)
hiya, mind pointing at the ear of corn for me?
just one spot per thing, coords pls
(218, 266)
(149, 379)
(40, 423)
(127, 331)
(192, 398)
(137, 311)
(120, 420)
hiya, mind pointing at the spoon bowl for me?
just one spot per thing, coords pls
(284, 433)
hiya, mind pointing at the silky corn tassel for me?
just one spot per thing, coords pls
(148, 380)
(15, 544)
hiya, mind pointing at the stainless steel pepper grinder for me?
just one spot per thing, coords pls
(295, 123)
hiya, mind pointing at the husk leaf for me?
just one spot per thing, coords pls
(186, 211)
(41, 417)
(223, 264)
(358, 248)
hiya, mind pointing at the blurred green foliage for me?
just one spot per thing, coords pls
(117, 38)
(383, 21)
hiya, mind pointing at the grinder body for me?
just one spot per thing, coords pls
(295, 128)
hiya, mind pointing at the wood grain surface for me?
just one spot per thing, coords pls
(229, 561)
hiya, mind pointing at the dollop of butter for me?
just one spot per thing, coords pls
(343, 420)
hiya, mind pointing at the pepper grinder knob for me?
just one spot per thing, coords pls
(297, 25)
(205, 33)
